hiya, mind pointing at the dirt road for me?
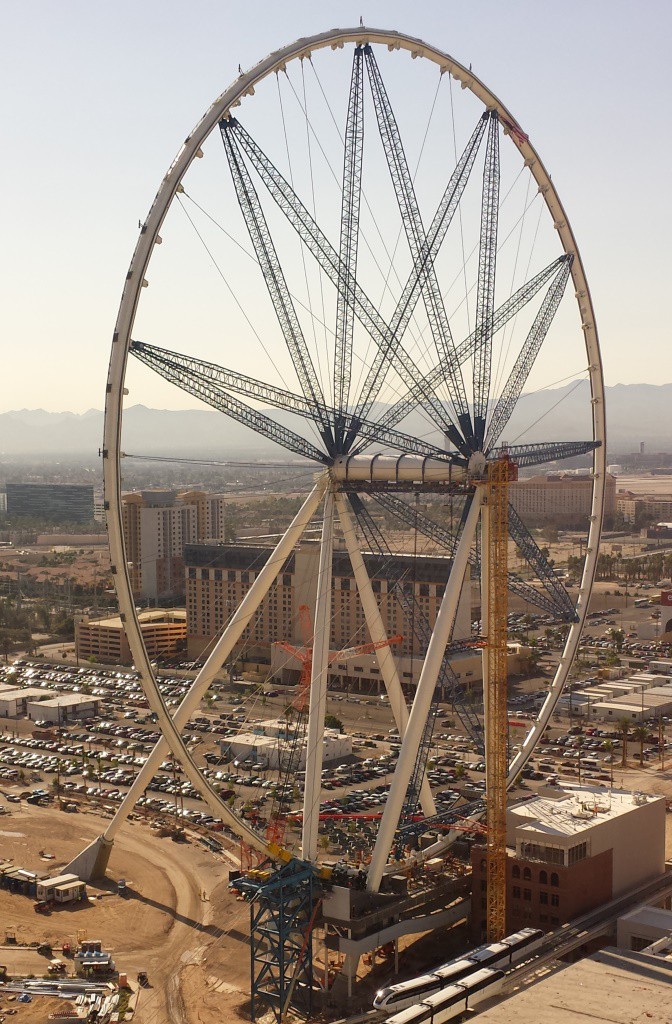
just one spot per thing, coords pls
(165, 926)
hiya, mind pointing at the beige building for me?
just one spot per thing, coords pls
(104, 640)
(219, 576)
(585, 823)
(66, 707)
(559, 496)
(14, 702)
(633, 507)
(570, 854)
(157, 526)
(211, 513)
(644, 926)
(363, 672)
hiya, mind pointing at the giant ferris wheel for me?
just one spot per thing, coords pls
(364, 261)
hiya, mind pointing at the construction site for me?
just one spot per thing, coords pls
(298, 845)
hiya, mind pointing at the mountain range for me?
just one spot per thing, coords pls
(635, 413)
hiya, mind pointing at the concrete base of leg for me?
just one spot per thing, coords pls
(92, 862)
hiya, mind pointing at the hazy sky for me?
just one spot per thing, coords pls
(97, 97)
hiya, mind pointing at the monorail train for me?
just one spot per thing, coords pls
(454, 1000)
(495, 954)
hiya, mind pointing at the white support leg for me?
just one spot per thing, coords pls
(376, 627)
(423, 698)
(199, 687)
(318, 686)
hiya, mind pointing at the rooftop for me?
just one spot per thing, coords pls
(61, 879)
(578, 808)
(613, 985)
(69, 700)
(21, 693)
(146, 617)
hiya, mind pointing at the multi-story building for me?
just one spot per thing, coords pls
(211, 513)
(635, 508)
(570, 854)
(157, 525)
(99, 510)
(219, 576)
(59, 503)
(104, 640)
(560, 497)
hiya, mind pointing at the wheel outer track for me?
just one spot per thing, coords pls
(243, 86)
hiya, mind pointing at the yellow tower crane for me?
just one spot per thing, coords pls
(494, 615)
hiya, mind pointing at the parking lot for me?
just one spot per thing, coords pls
(97, 760)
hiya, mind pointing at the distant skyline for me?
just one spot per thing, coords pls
(99, 97)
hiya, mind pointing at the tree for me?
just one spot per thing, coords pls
(331, 722)
(529, 662)
(624, 729)
(639, 733)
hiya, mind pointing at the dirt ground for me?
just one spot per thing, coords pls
(179, 923)
(164, 925)
(36, 1012)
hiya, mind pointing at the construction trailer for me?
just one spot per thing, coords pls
(61, 889)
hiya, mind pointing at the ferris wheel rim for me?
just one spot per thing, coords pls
(136, 280)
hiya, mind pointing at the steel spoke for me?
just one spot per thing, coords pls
(545, 451)
(347, 266)
(178, 368)
(527, 355)
(386, 337)
(273, 275)
(415, 234)
(539, 564)
(436, 377)
(233, 407)
(485, 293)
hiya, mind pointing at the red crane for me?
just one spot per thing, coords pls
(304, 654)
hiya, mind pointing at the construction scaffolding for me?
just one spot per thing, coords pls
(282, 915)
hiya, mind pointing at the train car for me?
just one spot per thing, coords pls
(506, 951)
(480, 985)
(454, 971)
(454, 1000)
(408, 993)
(416, 1014)
(405, 994)
(485, 956)
(522, 940)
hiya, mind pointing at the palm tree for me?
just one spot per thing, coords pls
(609, 746)
(624, 729)
(640, 734)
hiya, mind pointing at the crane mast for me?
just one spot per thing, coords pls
(494, 613)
